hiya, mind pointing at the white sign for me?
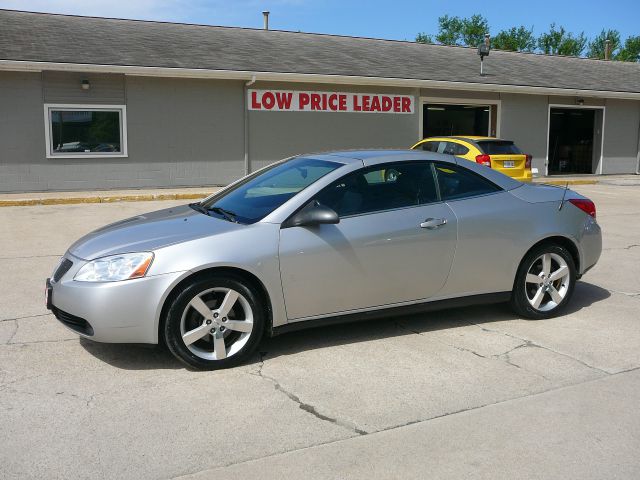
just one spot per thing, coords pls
(296, 101)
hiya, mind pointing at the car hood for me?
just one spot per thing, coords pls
(149, 232)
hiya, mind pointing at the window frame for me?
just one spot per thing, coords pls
(435, 164)
(383, 166)
(122, 111)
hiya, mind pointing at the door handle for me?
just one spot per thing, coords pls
(433, 223)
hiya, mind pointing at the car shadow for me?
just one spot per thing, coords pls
(132, 356)
(145, 357)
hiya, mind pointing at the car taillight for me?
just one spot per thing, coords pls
(484, 160)
(587, 206)
(527, 161)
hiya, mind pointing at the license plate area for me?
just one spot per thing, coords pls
(509, 164)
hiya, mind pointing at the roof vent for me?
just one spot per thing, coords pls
(265, 14)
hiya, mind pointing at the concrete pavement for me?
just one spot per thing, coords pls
(465, 393)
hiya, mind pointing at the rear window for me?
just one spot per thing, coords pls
(499, 147)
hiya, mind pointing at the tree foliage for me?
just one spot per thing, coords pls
(557, 41)
(424, 38)
(453, 30)
(462, 31)
(597, 45)
(630, 51)
(518, 39)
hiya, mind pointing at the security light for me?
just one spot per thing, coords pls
(85, 84)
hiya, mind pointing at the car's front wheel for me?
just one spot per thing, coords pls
(544, 282)
(215, 322)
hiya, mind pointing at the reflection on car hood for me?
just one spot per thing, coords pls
(148, 232)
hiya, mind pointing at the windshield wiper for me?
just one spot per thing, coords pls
(230, 216)
(199, 208)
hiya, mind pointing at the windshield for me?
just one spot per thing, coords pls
(258, 196)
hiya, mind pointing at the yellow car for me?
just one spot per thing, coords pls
(501, 155)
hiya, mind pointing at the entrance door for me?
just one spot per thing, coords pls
(575, 136)
(446, 120)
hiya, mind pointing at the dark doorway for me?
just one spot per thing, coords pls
(572, 140)
(445, 120)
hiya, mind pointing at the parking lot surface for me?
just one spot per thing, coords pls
(464, 393)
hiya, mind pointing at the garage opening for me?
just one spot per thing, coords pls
(446, 119)
(575, 140)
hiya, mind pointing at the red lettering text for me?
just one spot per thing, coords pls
(406, 105)
(254, 101)
(333, 102)
(303, 100)
(284, 100)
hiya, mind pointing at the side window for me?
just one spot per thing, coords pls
(457, 182)
(383, 187)
(430, 146)
(449, 148)
(460, 149)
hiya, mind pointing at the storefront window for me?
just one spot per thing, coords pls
(85, 132)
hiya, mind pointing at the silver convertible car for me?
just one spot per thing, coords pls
(318, 239)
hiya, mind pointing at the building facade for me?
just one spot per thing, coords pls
(88, 103)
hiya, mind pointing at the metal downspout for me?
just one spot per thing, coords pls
(247, 163)
(638, 155)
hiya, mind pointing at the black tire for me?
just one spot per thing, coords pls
(519, 300)
(172, 326)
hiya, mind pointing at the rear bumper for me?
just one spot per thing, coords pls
(524, 177)
(590, 244)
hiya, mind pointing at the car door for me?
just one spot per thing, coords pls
(490, 227)
(394, 244)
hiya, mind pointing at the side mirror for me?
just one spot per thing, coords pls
(313, 214)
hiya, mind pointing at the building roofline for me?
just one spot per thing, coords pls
(266, 76)
(293, 32)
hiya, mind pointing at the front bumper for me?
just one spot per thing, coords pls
(111, 312)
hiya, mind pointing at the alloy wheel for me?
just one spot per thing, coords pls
(547, 282)
(216, 323)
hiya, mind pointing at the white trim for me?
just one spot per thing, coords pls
(16, 65)
(576, 107)
(461, 101)
(122, 111)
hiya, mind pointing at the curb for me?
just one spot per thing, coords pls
(562, 183)
(27, 202)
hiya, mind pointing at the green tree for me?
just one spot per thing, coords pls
(424, 38)
(461, 31)
(597, 45)
(449, 30)
(560, 42)
(473, 30)
(515, 39)
(630, 51)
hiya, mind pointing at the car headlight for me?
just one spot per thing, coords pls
(115, 268)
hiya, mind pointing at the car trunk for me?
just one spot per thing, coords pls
(505, 157)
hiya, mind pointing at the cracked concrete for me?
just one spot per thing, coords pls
(465, 393)
(305, 406)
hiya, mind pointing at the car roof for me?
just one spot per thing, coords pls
(375, 157)
(372, 157)
(474, 138)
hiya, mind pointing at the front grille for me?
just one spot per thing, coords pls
(63, 268)
(74, 323)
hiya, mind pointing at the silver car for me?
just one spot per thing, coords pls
(318, 239)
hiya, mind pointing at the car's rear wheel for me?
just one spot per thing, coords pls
(215, 322)
(544, 282)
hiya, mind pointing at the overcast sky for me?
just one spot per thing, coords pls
(395, 19)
